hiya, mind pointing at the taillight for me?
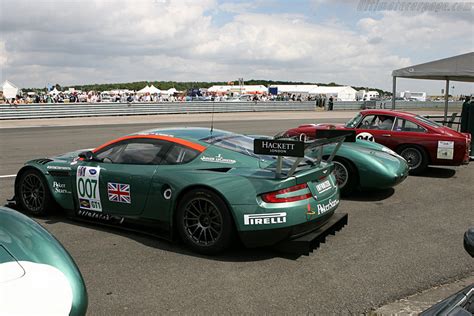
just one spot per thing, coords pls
(275, 196)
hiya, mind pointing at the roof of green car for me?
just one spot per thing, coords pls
(189, 133)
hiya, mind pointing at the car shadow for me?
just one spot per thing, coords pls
(438, 172)
(370, 195)
(236, 253)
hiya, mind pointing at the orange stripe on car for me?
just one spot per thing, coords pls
(180, 141)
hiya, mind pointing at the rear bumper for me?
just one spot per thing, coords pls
(300, 238)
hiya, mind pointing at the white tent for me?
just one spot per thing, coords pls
(10, 91)
(220, 89)
(54, 91)
(171, 91)
(254, 89)
(144, 90)
(345, 93)
(153, 90)
(456, 68)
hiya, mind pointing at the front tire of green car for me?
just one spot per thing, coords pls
(204, 222)
(346, 175)
(33, 194)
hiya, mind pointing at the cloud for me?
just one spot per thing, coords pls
(76, 42)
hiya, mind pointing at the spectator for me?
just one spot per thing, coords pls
(330, 103)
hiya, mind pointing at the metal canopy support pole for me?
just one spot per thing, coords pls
(394, 91)
(446, 96)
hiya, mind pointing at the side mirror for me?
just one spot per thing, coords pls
(87, 156)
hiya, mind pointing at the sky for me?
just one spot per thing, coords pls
(72, 42)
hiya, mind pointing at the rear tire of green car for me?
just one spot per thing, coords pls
(32, 193)
(346, 175)
(204, 222)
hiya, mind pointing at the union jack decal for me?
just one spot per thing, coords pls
(119, 192)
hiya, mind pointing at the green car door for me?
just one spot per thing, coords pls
(117, 180)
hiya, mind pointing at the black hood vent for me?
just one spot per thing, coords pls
(217, 169)
(42, 161)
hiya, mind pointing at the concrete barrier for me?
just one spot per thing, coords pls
(63, 110)
(115, 109)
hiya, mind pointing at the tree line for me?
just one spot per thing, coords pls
(182, 86)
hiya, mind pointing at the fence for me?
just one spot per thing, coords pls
(63, 110)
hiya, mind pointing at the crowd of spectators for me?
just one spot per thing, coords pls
(133, 97)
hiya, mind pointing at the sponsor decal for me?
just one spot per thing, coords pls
(324, 186)
(101, 216)
(323, 208)
(94, 215)
(119, 192)
(218, 159)
(84, 203)
(59, 187)
(87, 182)
(366, 136)
(278, 147)
(265, 219)
(445, 150)
(58, 168)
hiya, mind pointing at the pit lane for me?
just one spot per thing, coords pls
(398, 242)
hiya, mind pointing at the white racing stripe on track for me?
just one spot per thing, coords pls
(8, 176)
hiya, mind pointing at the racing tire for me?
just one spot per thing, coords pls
(32, 193)
(347, 178)
(416, 158)
(204, 222)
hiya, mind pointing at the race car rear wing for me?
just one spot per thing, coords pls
(282, 147)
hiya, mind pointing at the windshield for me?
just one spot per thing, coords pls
(427, 121)
(354, 121)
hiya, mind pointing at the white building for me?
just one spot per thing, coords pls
(294, 88)
(245, 89)
(363, 95)
(345, 93)
(415, 96)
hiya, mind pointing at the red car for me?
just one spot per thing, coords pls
(419, 140)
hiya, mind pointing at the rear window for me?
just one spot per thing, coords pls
(427, 121)
(238, 143)
(244, 145)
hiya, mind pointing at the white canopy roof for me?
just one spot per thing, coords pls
(10, 91)
(149, 89)
(154, 90)
(456, 68)
(170, 91)
(146, 89)
(331, 90)
(54, 91)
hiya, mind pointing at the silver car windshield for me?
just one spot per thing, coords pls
(354, 121)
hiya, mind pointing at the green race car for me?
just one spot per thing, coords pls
(207, 186)
(358, 164)
(366, 165)
(37, 275)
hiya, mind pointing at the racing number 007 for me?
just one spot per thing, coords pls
(87, 188)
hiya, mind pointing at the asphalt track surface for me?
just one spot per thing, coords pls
(398, 242)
